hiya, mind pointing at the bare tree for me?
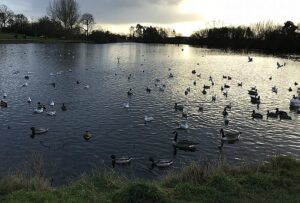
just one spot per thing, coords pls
(65, 11)
(5, 15)
(88, 22)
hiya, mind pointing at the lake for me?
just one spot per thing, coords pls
(120, 131)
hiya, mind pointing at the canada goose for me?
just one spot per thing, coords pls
(183, 144)
(274, 89)
(178, 107)
(38, 131)
(230, 136)
(256, 115)
(129, 93)
(284, 117)
(121, 160)
(87, 135)
(271, 114)
(161, 163)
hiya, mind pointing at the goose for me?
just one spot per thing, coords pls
(194, 71)
(183, 144)
(240, 84)
(212, 83)
(121, 160)
(148, 119)
(126, 105)
(178, 107)
(161, 163)
(271, 114)
(226, 86)
(225, 113)
(280, 112)
(284, 117)
(230, 136)
(63, 107)
(51, 113)
(28, 100)
(256, 115)
(87, 135)
(77, 82)
(38, 131)
(148, 90)
(183, 125)
(210, 78)
(4, 95)
(252, 92)
(3, 103)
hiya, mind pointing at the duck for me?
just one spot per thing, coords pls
(201, 108)
(230, 136)
(161, 163)
(178, 107)
(52, 103)
(193, 71)
(250, 59)
(4, 95)
(284, 117)
(184, 115)
(214, 98)
(183, 144)
(253, 92)
(129, 93)
(121, 160)
(188, 89)
(255, 100)
(271, 114)
(226, 120)
(274, 89)
(225, 94)
(3, 103)
(148, 90)
(228, 106)
(199, 75)
(270, 78)
(186, 92)
(240, 84)
(171, 75)
(26, 77)
(222, 88)
(224, 77)
(204, 91)
(290, 89)
(126, 105)
(77, 82)
(256, 115)
(86, 87)
(38, 131)
(87, 135)
(229, 78)
(295, 83)
(225, 113)
(148, 119)
(161, 88)
(195, 83)
(183, 125)
(28, 100)
(226, 86)
(25, 84)
(53, 84)
(63, 107)
(206, 87)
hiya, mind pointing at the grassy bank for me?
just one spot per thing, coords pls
(275, 181)
(9, 38)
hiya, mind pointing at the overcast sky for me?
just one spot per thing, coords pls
(185, 16)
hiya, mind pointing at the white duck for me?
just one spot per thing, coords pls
(52, 103)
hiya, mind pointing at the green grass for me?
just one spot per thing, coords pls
(275, 181)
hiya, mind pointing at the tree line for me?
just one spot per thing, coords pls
(63, 20)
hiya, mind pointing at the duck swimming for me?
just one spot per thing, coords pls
(121, 160)
(38, 131)
(3, 103)
(148, 90)
(183, 144)
(256, 115)
(148, 119)
(271, 114)
(284, 117)
(178, 107)
(87, 135)
(28, 100)
(230, 136)
(4, 95)
(126, 105)
(51, 113)
(161, 163)
(63, 107)
(183, 125)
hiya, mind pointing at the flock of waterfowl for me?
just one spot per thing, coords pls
(181, 144)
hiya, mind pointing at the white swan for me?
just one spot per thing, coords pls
(51, 113)
(126, 105)
(38, 111)
(148, 119)
(29, 100)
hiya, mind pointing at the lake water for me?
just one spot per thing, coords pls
(120, 131)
